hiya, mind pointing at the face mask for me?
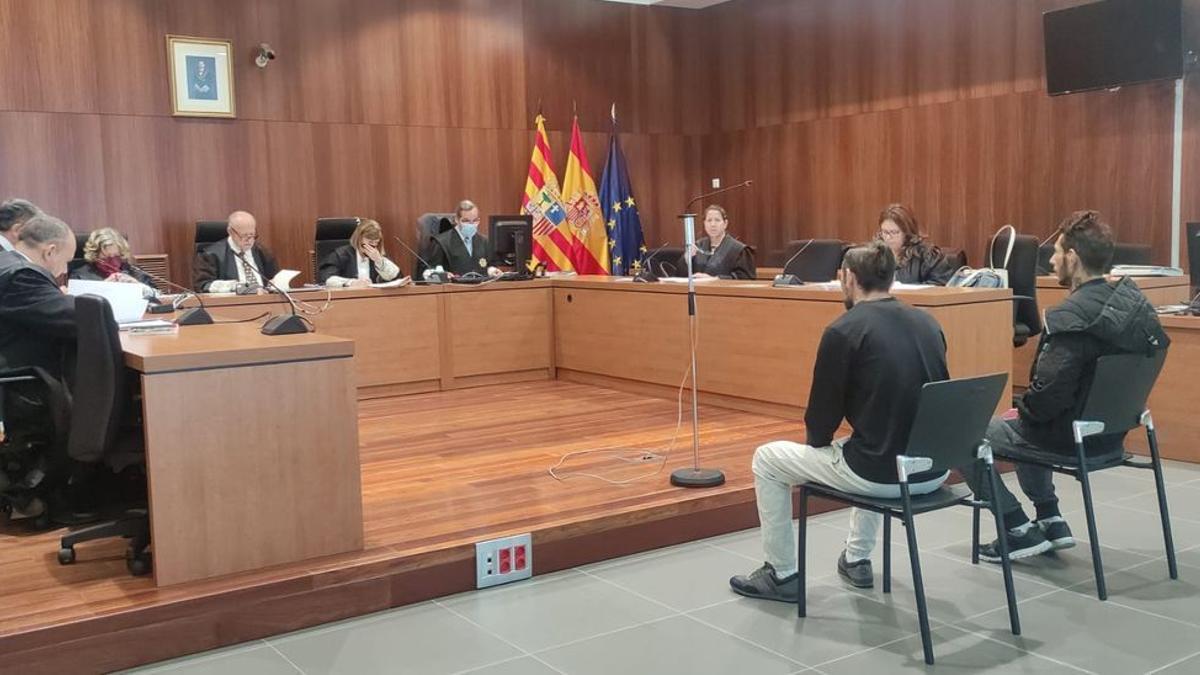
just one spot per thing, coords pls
(468, 229)
(110, 265)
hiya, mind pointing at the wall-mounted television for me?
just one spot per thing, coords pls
(1111, 43)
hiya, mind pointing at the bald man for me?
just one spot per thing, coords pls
(238, 260)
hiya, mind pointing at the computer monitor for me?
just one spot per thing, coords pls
(512, 240)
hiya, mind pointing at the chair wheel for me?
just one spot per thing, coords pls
(66, 556)
(139, 566)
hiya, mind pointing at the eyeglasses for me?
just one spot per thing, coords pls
(890, 234)
(243, 237)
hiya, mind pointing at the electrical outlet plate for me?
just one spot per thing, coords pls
(716, 183)
(500, 561)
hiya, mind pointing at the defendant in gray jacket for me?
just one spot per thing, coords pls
(1098, 318)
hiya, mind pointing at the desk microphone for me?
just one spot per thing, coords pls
(284, 324)
(435, 277)
(783, 280)
(646, 274)
(192, 316)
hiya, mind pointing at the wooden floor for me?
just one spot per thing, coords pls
(440, 472)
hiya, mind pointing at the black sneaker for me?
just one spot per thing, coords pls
(1057, 532)
(762, 583)
(858, 574)
(1029, 543)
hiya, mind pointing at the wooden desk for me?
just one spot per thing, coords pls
(251, 448)
(1158, 290)
(425, 338)
(1176, 393)
(767, 273)
(756, 345)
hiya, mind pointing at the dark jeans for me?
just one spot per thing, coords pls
(1036, 482)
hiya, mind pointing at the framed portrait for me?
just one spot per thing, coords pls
(201, 72)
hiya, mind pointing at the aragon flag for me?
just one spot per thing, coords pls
(552, 240)
(589, 252)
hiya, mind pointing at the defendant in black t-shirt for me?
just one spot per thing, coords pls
(871, 365)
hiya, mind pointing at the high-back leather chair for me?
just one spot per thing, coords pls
(815, 259)
(1022, 279)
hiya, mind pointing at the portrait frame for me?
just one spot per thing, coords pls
(201, 75)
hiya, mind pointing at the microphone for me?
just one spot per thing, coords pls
(783, 280)
(714, 193)
(646, 274)
(435, 277)
(284, 324)
(192, 316)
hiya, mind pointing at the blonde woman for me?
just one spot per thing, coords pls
(360, 263)
(108, 258)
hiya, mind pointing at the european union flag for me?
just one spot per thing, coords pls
(620, 212)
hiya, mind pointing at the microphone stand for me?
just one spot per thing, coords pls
(284, 324)
(192, 316)
(694, 476)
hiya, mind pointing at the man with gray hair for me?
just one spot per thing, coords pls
(238, 260)
(463, 250)
(14, 213)
(37, 320)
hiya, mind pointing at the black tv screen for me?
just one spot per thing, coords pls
(1111, 43)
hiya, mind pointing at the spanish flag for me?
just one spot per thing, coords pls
(552, 240)
(590, 250)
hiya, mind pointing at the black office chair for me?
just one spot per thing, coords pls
(956, 258)
(209, 232)
(78, 261)
(331, 234)
(1115, 403)
(98, 410)
(1193, 254)
(1022, 279)
(815, 259)
(1132, 254)
(952, 417)
(664, 262)
(429, 225)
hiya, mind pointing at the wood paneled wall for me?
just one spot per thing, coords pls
(838, 108)
(383, 108)
(390, 108)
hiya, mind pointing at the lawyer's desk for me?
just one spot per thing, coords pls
(1158, 290)
(251, 448)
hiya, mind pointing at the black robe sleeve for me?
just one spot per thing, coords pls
(335, 265)
(205, 269)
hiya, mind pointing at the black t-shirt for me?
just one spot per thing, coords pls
(870, 367)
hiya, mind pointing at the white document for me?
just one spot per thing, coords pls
(283, 279)
(897, 286)
(394, 283)
(684, 280)
(125, 299)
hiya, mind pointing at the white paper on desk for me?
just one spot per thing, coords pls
(394, 283)
(684, 280)
(125, 299)
(897, 286)
(283, 279)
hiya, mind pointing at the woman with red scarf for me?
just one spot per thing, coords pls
(108, 258)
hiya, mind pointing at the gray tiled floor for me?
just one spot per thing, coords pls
(669, 611)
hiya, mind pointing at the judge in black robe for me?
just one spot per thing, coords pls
(718, 254)
(450, 247)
